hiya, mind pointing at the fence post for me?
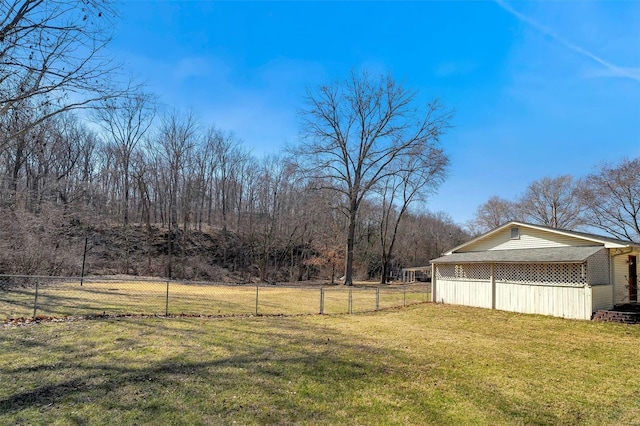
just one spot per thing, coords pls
(404, 295)
(166, 301)
(321, 300)
(35, 301)
(377, 298)
(350, 302)
(257, 287)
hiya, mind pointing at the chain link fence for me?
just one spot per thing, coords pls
(23, 296)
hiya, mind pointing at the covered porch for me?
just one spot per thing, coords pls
(416, 273)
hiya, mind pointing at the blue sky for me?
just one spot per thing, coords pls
(540, 89)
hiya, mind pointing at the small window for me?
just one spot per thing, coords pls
(515, 233)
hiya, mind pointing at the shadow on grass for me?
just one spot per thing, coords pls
(219, 371)
(265, 375)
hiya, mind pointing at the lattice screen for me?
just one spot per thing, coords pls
(532, 273)
(598, 268)
(595, 271)
(467, 271)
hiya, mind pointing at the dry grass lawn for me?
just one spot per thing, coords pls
(425, 364)
(61, 299)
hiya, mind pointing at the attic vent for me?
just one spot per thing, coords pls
(515, 233)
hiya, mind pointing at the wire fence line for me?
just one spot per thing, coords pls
(28, 296)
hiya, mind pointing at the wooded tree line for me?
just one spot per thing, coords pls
(605, 201)
(86, 156)
(159, 182)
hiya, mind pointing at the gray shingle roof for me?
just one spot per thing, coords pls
(539, 255)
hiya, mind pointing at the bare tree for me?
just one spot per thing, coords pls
(353, 131)
(15, 155)
(176, 139)
(228, 159)
(52, 160)
(417, 178)
(126, 120)
(247, 176)
(495, 212)
(272, 190)
(53, 59)
(140, 170)
(553, 202)
(329, 226)
(612, 197)
(426, 236)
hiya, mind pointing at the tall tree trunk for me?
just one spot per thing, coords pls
(384, 270)
(351, 233)
(126, 192)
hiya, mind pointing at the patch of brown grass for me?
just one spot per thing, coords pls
(150, 297)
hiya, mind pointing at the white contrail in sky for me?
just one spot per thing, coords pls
(623, 72)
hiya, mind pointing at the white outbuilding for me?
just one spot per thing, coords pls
(536, 269)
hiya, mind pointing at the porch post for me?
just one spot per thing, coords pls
(433, 282)
(493, 286)
(588, 301)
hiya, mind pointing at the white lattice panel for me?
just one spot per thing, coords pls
(467, 271)
(446, 271)
(531, 273)
(534, 273)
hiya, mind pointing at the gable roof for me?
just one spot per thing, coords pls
(607, 242)
(538, 255)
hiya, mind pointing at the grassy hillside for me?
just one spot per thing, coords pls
(426, 364)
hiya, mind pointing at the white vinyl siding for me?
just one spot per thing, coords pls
(559, 301)
(621, 277)
(464, 292)
(529, 238)
(601, 297)
(548, 289)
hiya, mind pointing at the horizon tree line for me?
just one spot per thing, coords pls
(84, 149)
(607, 200)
